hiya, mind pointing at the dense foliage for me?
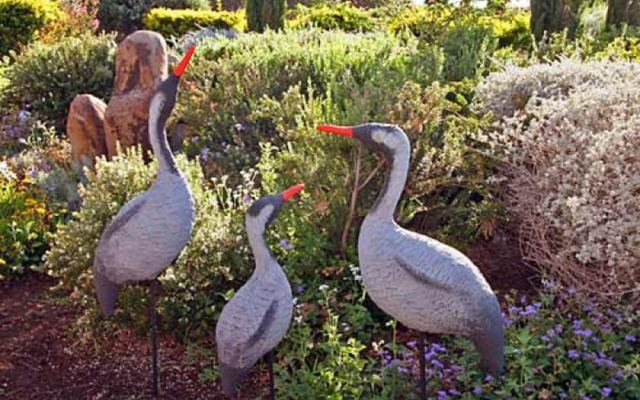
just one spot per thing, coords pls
(126, 16)
(341, 16)
(32, 199)
(48, 76)
(194, 284)
(572, 165)
(175, 23)
(265, 14)
(21, 20)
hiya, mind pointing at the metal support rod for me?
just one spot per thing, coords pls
(154, 338)
(423, 372)
(272, 383)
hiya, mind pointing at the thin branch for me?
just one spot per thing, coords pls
(354, 198)
(381, 162)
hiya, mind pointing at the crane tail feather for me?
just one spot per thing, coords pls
(107, 292)
(230, 377)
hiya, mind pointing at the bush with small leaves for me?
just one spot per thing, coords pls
(49, 76)
(21, 20)
(571, 162)
(175, 23)
(341, 16)
(215, 260)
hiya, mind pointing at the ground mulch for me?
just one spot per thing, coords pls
(40, 358)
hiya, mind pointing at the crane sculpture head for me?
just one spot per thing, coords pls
(164, 99)
(387, 139)
(264, 210)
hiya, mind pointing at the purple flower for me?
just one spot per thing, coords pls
(606, 391)
(586, 398)
(529, 310)
(299, 289)
(412, 344)
(477, 390)
(442, 395)
(437, 364)
(573, 354)
(562, 395)
(630, 338)
(571, 290)
(584, 332)
(454, 392)
(247, 199)
(438, 347)
(286, 245)
(204, 154)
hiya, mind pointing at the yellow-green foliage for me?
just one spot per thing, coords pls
(21, 20)
(511, 29)
(342, 16)
(178, 22)
(427, 22)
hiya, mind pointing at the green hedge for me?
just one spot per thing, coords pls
(21, 19)
(341, 16)
(178, 22)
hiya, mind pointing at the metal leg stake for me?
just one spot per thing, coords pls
(423, 373)
(272, 383)
(154, 338)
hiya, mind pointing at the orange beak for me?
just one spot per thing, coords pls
(184, 62)
(292, 191)
(336, 130)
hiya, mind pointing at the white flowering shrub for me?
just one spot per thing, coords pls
(572, 163)
(506, 92)
(190, 286)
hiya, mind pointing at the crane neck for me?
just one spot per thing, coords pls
(259, 248)
(158, 135)
(395, 180)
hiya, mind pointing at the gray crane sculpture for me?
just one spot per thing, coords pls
(150, 231)
(423, 283)
(256, 319)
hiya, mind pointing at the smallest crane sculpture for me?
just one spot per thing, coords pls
(256, 319)
(423, 283)
(150, 231)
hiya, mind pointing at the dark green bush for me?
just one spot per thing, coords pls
(21, 19)
(175, 23)
(263, 14)
(49, 76)
(341, 16)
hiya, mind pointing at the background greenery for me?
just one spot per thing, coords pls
(489, 111)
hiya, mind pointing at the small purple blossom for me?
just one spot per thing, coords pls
(630, 338)
(299, 289)
(606, 391)
(412, 344)
(286, 245)
(442, 395)
(204, 154)
(454, 392)
(477, 390)
(584, 332)
(573, 354)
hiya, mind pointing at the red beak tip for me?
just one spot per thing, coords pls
(292, 191)
(182, 66)
(336, 130)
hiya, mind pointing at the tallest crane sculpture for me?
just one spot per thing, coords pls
(423, 283)
(150, 231)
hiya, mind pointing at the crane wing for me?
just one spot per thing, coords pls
(435, 264)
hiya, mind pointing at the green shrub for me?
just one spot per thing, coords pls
(327, 16)
(215, 261)
(263, 14)
(467, 48)
(21, 19)
(175, 23)
(48, 77)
